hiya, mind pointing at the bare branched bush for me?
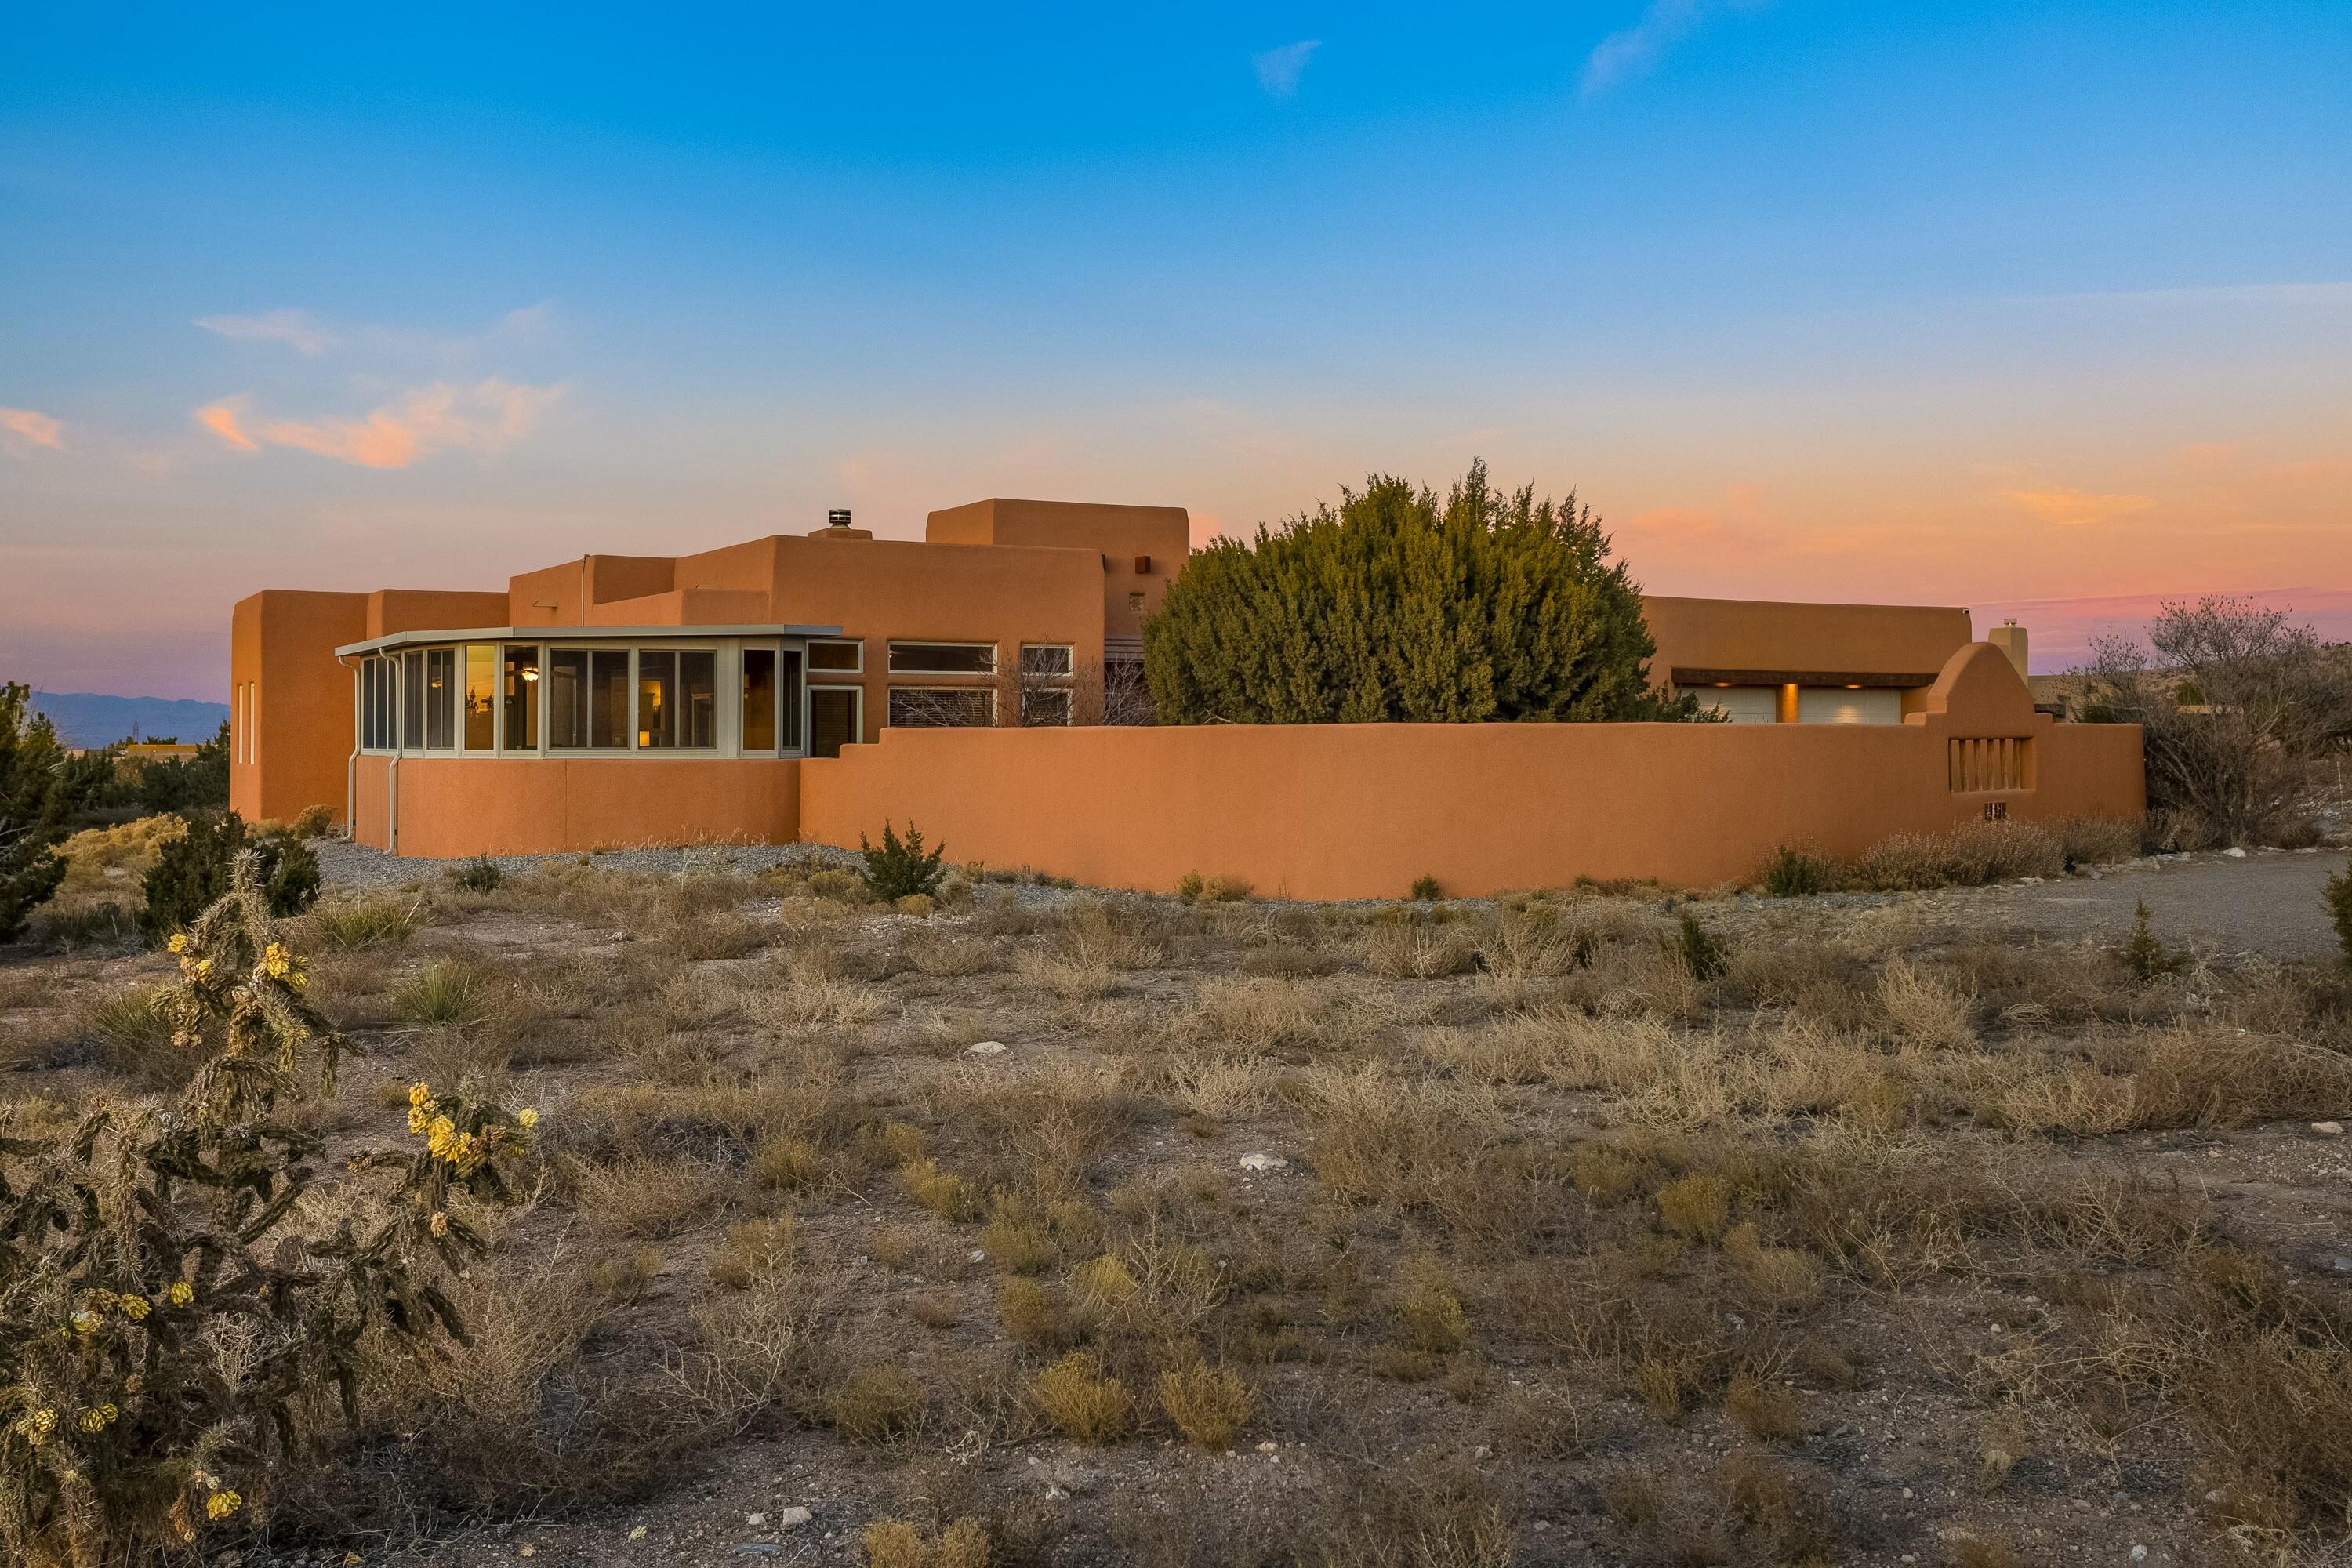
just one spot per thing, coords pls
(1968, 855)
(2238, 705)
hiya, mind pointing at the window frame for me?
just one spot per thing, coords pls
(445, 707)
(897, 646)
(1062, 695)
(793, 699)
(744, 707)
(465, 689)
(381, 695)
(719, 736)
(856, 695)
(588, 651)
(1069, 669)
(984, 695)
(856, 646)
(537, 746)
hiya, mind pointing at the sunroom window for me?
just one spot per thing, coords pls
(588, 698)
(520, 681)
(412, 699)
(481, 697)
(677, 699)
(441, 699)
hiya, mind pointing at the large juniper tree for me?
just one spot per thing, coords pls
(33, 805)
(1399, 605)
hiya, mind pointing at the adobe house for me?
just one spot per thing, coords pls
(615, 701)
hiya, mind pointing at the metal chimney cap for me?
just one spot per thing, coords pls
(838, 517)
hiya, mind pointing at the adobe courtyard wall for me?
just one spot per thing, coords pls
(1361, 811)
(1316, 811)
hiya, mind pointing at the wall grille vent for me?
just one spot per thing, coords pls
(1992, 763)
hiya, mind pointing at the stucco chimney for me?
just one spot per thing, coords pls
(2009, 638)
(836, 526)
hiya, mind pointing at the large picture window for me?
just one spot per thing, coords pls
(933, 707)
(677, 699)
(587, 699)
(942, 658)
(518, 684)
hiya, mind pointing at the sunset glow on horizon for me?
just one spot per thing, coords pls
(2045, 311)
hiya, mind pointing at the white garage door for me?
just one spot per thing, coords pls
(1842, 705)
(1744, 704)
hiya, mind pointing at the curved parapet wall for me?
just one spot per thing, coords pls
(1362, 810)
(449, 808)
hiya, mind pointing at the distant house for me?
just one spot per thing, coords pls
(630, 699)
(139, 753)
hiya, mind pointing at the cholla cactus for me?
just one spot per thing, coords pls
(128, 1249)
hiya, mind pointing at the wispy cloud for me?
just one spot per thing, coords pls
(486, 418)
(1278, 71)
(298, 330)
(305, 334)
(1632, 50)
(39, 428)
(2323, 293)
(221, 418)
(2070, 508)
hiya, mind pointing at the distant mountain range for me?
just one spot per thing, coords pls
(90, 719)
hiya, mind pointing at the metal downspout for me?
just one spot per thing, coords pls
(351, 763)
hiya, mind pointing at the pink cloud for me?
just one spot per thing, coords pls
(2070, 508)
(221, 419)
(295, 328)
(486, 418)
(39, 428)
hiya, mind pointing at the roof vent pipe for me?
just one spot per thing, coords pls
(837, 518)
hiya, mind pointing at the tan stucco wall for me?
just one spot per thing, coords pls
(1753, 633)
(1119, 533)
(455, 806)
(282, 642)
(1360, 811)
(885, 589)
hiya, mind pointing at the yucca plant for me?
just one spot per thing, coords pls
(136, 1245)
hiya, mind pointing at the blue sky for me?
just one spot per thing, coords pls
(1988, 304)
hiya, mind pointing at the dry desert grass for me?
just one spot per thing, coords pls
(1423, 1234)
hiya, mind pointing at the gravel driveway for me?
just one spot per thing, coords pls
(342, 864)
(2268, 903)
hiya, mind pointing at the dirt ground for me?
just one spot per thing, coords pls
(1921, 1229)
